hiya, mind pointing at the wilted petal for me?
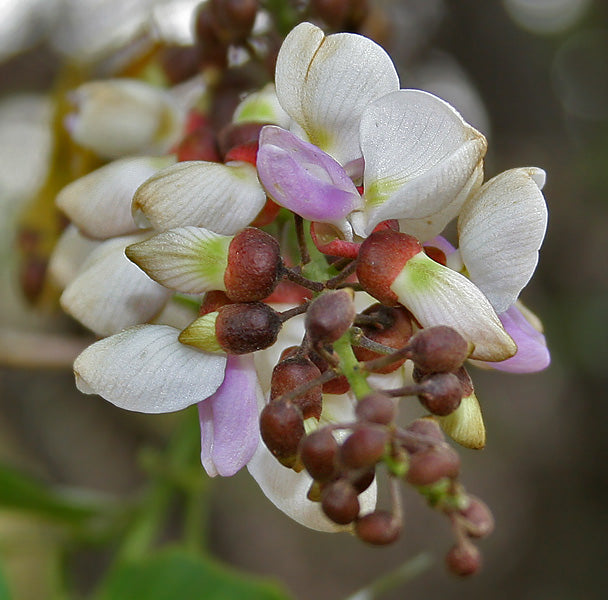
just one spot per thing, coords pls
(501, 229)
(419, 156)
(532, 353)
(117, 117)
(111, 293)
(304, 179)
(69, 254)
(427, 228)
(324, 83)
(222, 198)
(145, 369)
(229, 419)
(191, 260)
(100, 202)
(436, 295)
(261, 107)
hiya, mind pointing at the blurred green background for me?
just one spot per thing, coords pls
(533, 76)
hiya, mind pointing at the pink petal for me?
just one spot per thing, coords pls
(229, 419)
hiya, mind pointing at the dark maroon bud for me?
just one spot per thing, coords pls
(180, 63)
(244, 328)
(478, 518)
(291, 373)
(238, 134)
(438, 349)
(364, 480)
(212, 302)
(424, 433)
(430, 465)
(333, 12)
(282, 428)
(376, 407)
(213, 50)
(463, 559)
(382, 257)
(330, 315)
(364, 447)
(254, 266)
(318, 452)
(440, 393)
(198, 145)
(235, 18)
(339, 502)
(379, 528)
(337, 385)
(436, 254)
(393, 329)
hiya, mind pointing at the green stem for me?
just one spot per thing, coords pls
(393, 579)
(350, 367)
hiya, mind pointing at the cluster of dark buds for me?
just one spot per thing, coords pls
(339, 350)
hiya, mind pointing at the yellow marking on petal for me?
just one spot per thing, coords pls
(379, 191)
(465, 425)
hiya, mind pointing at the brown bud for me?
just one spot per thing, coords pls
(440, 393)
(362, 481)
(424, 433)
(463, 559)
(179, 64)
(198, 145)
(338, 385)
(330, 315)
(478, 518)
(318, 452)
(244, 328)
(393, 329)
(212, 302)
(291, 373)
(438, 349)
(430, 465)
(376, 407)
(364, 447)
(282, 428)
(235, 18)
(213, 50)
(339, 502)
(254, 265)
(379, 528)
(238, 134)
(382, 257)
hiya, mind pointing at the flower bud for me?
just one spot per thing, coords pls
(362, 481)
(238, 134)
(318, 452)
(234, 18)
(338, 385)
(463, 559)
(478, 518)
(427, 430)
(199, 144)
(254, 265)
(382, 257)
(282, 428)
(364, 447)
(291, 373)
(378, 528)
(212, 301)
(393, 329)
(339, 502)
(234, 328)
(430, 465)
(438, 349)
(376, 407)
(440, 393)
(330, 315)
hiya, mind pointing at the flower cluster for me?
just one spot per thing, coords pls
(310, 248)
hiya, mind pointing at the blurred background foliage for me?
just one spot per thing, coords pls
(533, 76)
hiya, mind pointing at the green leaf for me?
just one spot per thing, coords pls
(175, 573)
(4, 593)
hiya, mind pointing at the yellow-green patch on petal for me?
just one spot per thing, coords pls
(465, 425)
(201, 334)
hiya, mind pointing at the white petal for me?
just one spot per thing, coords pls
(222, 198)
(69, 254)
(429, 227)
(261, 107)
(100, 203)
(419, 155)
(324, 83)
(191, 260)
(117, 117)
(111, 293)
(501, 229)
(146, 369)
(436, 295)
